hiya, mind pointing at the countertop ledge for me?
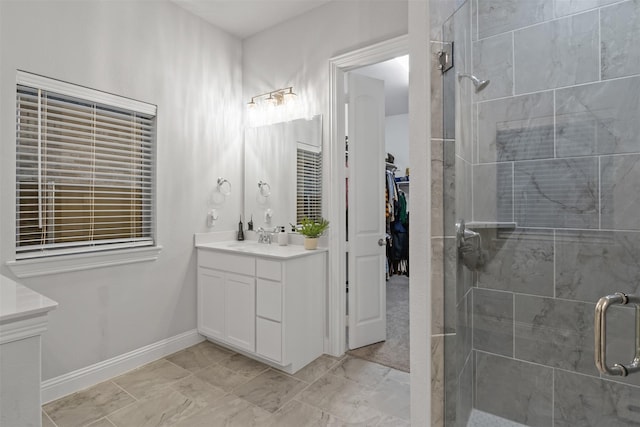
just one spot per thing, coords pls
(18, 302)
(250, 247)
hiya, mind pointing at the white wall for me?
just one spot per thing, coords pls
(157, 53)
(396, 133)
(297, 52)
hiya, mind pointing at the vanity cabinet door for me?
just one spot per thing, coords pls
(269, 342)
(211, 302)
(240, 311)
(269, 304)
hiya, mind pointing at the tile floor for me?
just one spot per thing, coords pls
(207, 385)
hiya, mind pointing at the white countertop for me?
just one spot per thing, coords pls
(18, 301)
(251, 247)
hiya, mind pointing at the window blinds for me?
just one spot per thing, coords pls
(84, 173)
(309, 184)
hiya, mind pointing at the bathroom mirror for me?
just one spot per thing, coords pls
(274, 156)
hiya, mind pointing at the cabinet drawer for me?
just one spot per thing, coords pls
(271, 270)
(269, 300)
(226, 262)
(269, 339)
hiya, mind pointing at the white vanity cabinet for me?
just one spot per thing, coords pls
(226, 298)
(267, 307)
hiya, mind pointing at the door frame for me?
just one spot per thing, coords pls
(338, 66)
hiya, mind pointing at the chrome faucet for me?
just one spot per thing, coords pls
(264, 235)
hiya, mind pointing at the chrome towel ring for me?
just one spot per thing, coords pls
(265, 188)
(224, 186)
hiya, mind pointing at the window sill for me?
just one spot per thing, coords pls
(77, 262)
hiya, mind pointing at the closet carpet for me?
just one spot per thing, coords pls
(394, 352)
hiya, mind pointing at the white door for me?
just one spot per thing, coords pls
(367, 253)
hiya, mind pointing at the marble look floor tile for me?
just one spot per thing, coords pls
(46, 421)
(164, 408)
(200, 391)
(89, 405)
(316, 369)
(334, 357)
(231, 412)
(102, 422)
(298, 414)
(392, 398)
(199, 356)
(221, 377)
(400, 376)
(150, 378)
(335, 394)
(243, 365)
(270, 390)
(367, 374)
(365, 415)
(390, 421)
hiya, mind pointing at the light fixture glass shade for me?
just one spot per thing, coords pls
(271, 100)
(289, 96)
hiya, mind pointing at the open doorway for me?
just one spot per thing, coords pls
(377, 185)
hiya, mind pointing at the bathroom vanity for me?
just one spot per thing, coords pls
(264, 301)
(23, 318)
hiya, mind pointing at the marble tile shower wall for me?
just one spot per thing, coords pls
(445, 374)
(556, 149)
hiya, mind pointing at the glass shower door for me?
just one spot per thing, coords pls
(542, 106)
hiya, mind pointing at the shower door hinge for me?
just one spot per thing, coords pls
(445, 57)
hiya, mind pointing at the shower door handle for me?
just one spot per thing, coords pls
(600, 329)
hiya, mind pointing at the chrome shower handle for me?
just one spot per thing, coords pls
(469, 244)
(600, 332)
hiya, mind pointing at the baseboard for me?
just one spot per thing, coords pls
(80, 379)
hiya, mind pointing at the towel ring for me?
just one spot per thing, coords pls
(265, 189)
(224, 186)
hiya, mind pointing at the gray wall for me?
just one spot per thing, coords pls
(158, 53)
(555, 148)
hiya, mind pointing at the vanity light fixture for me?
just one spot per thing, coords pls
(275, 97)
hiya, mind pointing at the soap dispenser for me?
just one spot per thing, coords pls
(283, 237)
(240, 231)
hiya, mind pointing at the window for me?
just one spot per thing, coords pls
(309, 183)
(84, 169)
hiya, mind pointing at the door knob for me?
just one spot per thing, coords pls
(381, 242)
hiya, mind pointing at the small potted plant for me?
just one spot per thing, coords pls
(311, 230)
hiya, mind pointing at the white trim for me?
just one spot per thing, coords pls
(24, 328)
(85, 261)
(80, 379)
(64, 88)
(338, 65)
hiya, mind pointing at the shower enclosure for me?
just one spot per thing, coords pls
(542, 165)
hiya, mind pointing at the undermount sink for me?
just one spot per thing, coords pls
(253, 247)
(244, 243)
